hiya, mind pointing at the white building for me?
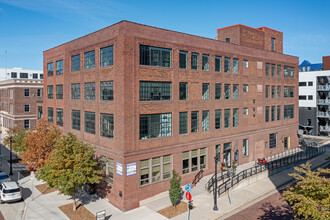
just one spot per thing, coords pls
(19, 73)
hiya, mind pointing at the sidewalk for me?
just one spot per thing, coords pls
(47, 205)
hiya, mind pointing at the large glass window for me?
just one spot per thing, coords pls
(206, 62)
(59, 67)
(59, 91)
(194, 61)
(106, 56)
(194, 122)
(227, 65)
(89, 91)
(183, 59)
(59, 116)
(183, 93)
(90, 60)
(107, 165)
(75, 91)
(227, 91)
(50, 69)
(75, 63)
(205, 121)
(288, 111)
(107, 125)
(107, 90)
(218, 91)
(288, 71)
(183, 122)
(76, 120)
(90, 122)
(193, 160)
(235, 117)
(205, 91)
(218, 67)
(153, 91)
(50, 114)
(235, 65)
(227, 118)
(288, 91)
(267, 114)
(155, 125)
(155, 56)
(218, 119)
(272, 140)
(50, 92)
(235, 91)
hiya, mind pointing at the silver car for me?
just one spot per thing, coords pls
(10, 192)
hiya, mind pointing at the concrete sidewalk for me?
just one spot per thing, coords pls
(46, 206)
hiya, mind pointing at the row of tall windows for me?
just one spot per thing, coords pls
(26, 93)
(273, 113)
(275, 91)
(155, 169)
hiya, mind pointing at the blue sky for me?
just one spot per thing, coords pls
(28, 27)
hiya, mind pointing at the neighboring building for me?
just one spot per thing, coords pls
(152, 100)
(19, 73)
(326, 62)
(18, 99)
(307, 66)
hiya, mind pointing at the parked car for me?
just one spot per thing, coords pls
(4, 177)
(10, 192)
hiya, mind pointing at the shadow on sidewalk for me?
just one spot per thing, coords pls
(26, 192)
(281, 212)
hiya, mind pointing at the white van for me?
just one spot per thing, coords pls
(10, 192)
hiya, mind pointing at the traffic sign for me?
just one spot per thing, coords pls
(188, 196)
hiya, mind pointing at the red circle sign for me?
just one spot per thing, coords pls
(188, 196)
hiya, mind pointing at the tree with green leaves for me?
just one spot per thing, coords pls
(175, 188)
(17, 135)
(310, 197)
(70, 166)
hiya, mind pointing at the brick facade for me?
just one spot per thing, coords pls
(126, 107)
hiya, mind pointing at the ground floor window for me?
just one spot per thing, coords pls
(245, 147)
(227, 154)
(272, 140)
(26, 124)
(155, 169)
(193, 160)
(106, 164)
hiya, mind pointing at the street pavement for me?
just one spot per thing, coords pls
(44, 206)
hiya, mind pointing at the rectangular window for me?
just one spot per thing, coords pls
(273, 113)
(106, 56)
(218, 119)
(89, 91)
(310, 97)
(183, 59)
(310, 83)
(245, 88)
(227, 91)
(245, 63)
(273, 92)
(302, 83)
(50, 91)
(75, 63)
(288, 91)
(267, 69)
(39, 92)
(235, 65)
(245, 147)
(227, 118)
(50, 69)
(272, 140)
(155, 171)
(90, 60)
(59, 91)
(76, 120)
(50, 114)
(185, 162)
(39, 112)
(153, 91)
(155, 56)
(90, 122)
(167, 166)
(279, 70)
(278, 91)
(59, 116)
(23, 75)
(235, 117)
(26, 124)
(235, 91)
(217, 153)
(26, 92)
(144, 172)
(41, 76)
(107, 125)
(107, 90)
(183, 91)
(11, 93)
(288, 111)
(205, 91)
(227, 154)
(193, 160)
(26, 108)
(218, 61)
(59, 67)
(155, 125)
(288, 71)
(206, 62)
(218, 91)
(194, 122)
(75, 91)
(194, 61)
(227, 65)
(35, 75)
(302, 97)
(267, 114)
(205, 121)
(183, 123)
(106, 164)
(13, 75)
(245, 111)
(278, 112)
(273, 44)
(267, 95)
(273, 70)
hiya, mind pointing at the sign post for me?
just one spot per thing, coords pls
(188, 197)
(32, 177)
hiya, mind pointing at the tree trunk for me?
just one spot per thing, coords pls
(74, 203)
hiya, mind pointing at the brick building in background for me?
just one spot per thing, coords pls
(18, 99)
(152, 100)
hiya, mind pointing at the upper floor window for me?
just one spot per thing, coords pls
(267, 114)
(26, 108)
(155, 56)
(288, 91)
(227, 118)
(273, 91)
(26, 92)
(155, 125)
(288, 71)
(183, 93)
(23, 75)
(107, 125)
(205, 121)
(90, 60)
(206, 62)
(107, 56)
(59, 116)
(75, 91)
(218, 67)
(41, 76)
(90, 122)
(235, 117)
(245, 88)
(302, 83)
(50, 69)
(267, 91)
(310, 83)
(183, 59)
(107, 90)
(227, 91)
(235, 65)
(288, 111)
(39, 92)
(35, 75)
(273, 44)
(245, 63)
(50, 114)
(59, 91)
(278, 91)
(205, 91)
(50, 92)
(218, 119)
(183, 122)
(151, 91)
(272, 140)
(194, 122)
(75, 119)
(279, 70)
(267, 69)
(218, 91)
(227, 40)
(13, 75)
(75, 63)
(39, 112)
(90, 91)
(235, 91)
(194, 61)
(59, 67)
(273, 69)
(227, 64)
(27, 124)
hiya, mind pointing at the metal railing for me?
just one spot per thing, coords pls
(322, 101)
(324, 128)
(198, 176)
(220, 176)
(323, 114)
(323, 87)
(306, 153)
(282, 154)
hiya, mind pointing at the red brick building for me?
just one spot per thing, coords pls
(152, 100)
(18, 99)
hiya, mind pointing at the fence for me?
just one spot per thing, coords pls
(307, 153)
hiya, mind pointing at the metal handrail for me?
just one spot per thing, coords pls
(198, 176)
(221, 175)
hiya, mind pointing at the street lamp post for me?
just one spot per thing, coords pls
(11, 158)
(215, 188)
